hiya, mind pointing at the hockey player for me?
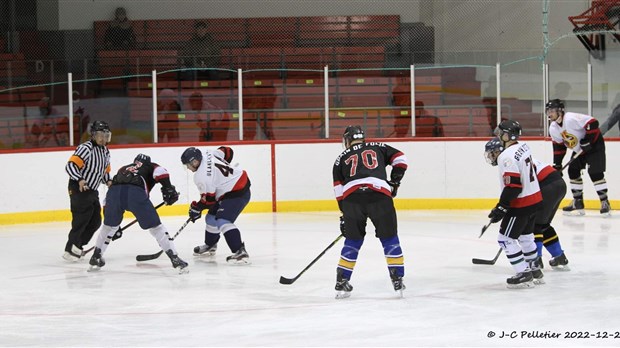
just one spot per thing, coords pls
(518, 204)
(130, 192)
(553, 190)
(88, 167)
(224, 191)
(581, 134)
(363, 192)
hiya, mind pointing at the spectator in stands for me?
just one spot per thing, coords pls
(201, 51)
(168, 122)
(51, 129)
(266, 100)
(119, 34)
(424, 118)
(213, 122)
(426, 125)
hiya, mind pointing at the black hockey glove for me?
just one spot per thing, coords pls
(170, 194)
(498, 213)
(342, 229)
(558, 167)
(395, 186)
(118, 234)
(195, 211)
(585, 145)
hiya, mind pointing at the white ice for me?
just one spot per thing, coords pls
(45, 301)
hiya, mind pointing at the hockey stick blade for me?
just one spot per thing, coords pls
(476, 261)
(158, 254)
(289, 281)
(149, 257)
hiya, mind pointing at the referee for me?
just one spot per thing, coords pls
(88, 167)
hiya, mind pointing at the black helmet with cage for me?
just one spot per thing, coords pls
(100, 129)
(554, 109)
(492, 149)
(190, 154)
(511, 128)
(143, 159)
(555, 104)
(352, 134)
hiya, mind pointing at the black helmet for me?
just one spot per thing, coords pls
(190, 154)
(492, 149)
(554, 104)
(99, 126)
(352, 133)
(142, 158)
(510, 127)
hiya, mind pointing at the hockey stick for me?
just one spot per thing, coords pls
(572, 159)
(484, 229)
(476, 261)
(158, 254)
(288, 281)
(120, 229)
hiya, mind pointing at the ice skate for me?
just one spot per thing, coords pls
(177, 263)
(575, 207)
(241, 257)
(343, 288)
(537, 273)
(96, 261)
(73, 255)
(559, 263)
(539, 263)
(205, 251)
(521, 280)
(397, 282)
(605, 208)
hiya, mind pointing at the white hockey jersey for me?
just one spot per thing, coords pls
(571, 131)
(516, 169)
(215, 178)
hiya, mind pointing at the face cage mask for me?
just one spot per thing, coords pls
(107, 135)
(558, 118)
(491, 157)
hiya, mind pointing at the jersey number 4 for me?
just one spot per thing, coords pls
(369, 159)
(226, 170)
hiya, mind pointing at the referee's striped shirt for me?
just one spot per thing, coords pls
(91, 163)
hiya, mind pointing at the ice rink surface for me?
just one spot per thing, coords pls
(47, 302)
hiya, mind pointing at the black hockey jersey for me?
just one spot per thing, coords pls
(363, 165)
(144, 175)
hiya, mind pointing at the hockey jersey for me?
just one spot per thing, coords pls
(364, 165)
(517, 170)
(216, 179)
(572, 130)
(144, 175)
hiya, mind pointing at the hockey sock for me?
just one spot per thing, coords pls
(348, 256)
(600, 185)
(513, 252)
(528, 247)
(538, 238)
(233, 239)
(552, 242)
(576, 187)
(212, 232)
(394, 255)
(105, 236)
(163, 238)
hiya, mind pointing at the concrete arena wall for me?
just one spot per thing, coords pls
(442, 174)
